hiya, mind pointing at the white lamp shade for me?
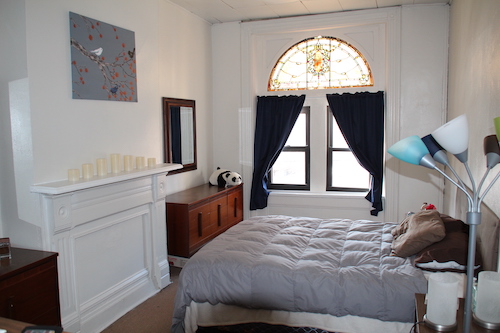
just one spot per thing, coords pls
(454, 135)
(488, 297)
(442, 299)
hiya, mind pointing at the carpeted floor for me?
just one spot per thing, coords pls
(152, 316)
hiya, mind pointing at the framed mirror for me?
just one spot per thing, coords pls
(179, 133)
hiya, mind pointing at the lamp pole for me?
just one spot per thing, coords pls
(473, 220)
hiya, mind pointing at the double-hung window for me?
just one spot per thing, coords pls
(344, 173)
(291, 171)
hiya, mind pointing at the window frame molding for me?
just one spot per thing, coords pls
(253, 36)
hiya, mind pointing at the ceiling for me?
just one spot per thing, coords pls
(221, 11)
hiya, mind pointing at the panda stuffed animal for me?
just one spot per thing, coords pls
(225, 178)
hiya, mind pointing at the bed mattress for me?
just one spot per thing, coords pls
(336, 267)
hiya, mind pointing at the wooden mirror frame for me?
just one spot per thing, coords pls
(168, 103)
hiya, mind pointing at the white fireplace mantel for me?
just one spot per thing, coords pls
(65, 186)
(110, 233)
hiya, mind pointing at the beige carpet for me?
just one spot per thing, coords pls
(152, 316)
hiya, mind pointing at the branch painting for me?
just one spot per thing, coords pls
(103, 60)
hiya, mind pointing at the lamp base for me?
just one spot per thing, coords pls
(439, 327)
(485, 324)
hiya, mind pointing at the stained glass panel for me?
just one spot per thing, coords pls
(320, 63)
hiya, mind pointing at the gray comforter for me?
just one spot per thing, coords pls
(328, 266)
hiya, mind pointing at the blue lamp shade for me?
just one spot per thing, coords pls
(410, 150)
(454, 135)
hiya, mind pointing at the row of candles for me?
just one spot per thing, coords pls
(116, 166)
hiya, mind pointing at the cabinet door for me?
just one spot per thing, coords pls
(200, 226)
(235, 206)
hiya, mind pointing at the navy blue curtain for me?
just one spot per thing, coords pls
(360, 117)
(175, 127)
(276, 116)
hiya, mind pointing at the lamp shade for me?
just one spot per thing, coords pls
(437, 152)
(491, 150)
(488, 297)
(497, 127)
(442, 301)
(411, 150)
(454, 135)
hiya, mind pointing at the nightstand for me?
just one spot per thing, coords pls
(421, 308)
(29, 288)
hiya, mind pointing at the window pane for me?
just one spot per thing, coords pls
(347, 172)
(298, 135)
(320, 63)
(290, 168)
(338, 140)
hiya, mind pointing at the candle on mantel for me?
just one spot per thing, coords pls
(87, 170)
(115, 163)
(102, 167)
(140, 162)
(73, 175)
(128, 162)
(151, 162)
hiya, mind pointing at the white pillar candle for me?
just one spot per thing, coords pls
(102, 167)
(87, 170)
(73, 175)
(151, 162)
(128, 162)
(442, 299)
(115, 163)
(140, 162)
(488, 297)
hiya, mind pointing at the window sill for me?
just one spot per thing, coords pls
(346, 204)
(309, 194)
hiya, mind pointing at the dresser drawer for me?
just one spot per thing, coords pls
(235, 206)
(201, 225)
(218, 214)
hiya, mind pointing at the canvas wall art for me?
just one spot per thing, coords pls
(103, 60)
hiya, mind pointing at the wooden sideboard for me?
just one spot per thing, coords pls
(29, 289)
(198, 214)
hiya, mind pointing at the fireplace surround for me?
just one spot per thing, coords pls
(110, 233)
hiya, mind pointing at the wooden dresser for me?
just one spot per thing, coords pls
(197, 215)
(29, 288)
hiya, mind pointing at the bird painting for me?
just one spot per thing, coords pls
(131, 53)
(97, 51)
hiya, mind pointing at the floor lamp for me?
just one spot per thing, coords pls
(453, 137)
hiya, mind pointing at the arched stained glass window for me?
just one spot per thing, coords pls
(320, 63)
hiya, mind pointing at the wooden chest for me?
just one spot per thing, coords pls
(197, 215)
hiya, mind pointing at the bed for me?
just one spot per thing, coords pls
(335, 275)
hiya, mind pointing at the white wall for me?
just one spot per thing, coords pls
(415, 85)
(66, 133)
(424, 62)
(474, 84)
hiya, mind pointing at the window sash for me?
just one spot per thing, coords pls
(331, 150)
(307, 160)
